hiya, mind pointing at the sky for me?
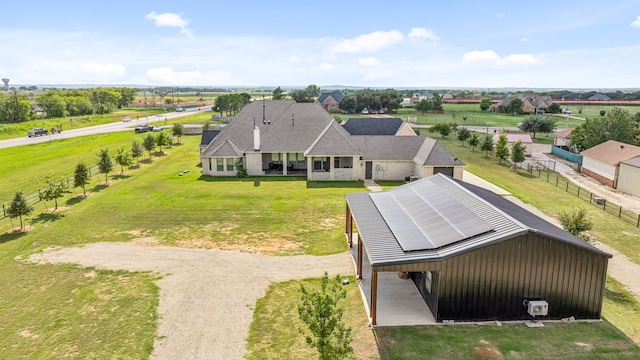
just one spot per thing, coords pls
(397, 44)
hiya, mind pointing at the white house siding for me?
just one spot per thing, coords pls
(210, 167)
(391, 170)
(560, 141)
(599, 167)
(335, 174)
(629, 179)
(254, 164)
(426, 171)
(405, 130)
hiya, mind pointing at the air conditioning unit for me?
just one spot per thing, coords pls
(537, 308)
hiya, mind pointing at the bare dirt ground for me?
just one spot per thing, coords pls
(207, 297)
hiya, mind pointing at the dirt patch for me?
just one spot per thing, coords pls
(585, 346)
(488, 352)
(28, 334)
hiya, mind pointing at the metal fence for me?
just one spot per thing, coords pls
(33, 198)
(596, 200)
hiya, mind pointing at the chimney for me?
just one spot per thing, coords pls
(256, 139)
(292, 123)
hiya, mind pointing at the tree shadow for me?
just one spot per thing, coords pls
(121, 176)
(9, 236)
(99, 187)
(75, 200)
(47, 217)
(146, 161)
(159, 154)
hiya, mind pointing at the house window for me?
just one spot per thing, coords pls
(321, 164)
(297, 159)
(427, 281)
(220, 164)
(230, 165)
(343, 162)
(275, 158)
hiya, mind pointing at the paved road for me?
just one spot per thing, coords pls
(98, 129)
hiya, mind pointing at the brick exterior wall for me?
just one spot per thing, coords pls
(601, 179)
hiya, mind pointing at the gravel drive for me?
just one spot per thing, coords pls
(207, 297)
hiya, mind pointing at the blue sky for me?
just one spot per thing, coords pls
(423, 44)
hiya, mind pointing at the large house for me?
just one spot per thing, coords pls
(330, 101)
(530, 102)
(282, 137)
(471, 255)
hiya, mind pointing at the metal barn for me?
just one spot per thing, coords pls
(472, 255)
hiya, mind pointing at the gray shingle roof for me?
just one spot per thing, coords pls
(334, 141)
(508, 220)
(372, 126)
(337, 95)
(385, 147)
(207, 136)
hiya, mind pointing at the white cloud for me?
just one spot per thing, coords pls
(524, 40)
(327, 67)
(167, 75)
(369, 42)
(480, 56)
(422, 33)
(500, 14)
(170, 20)
(368, 61)
(636, 23)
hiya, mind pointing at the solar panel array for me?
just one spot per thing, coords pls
(422, 217)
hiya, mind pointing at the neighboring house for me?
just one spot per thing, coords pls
(602, 162)
(207, 137)
(562, 138)
(513, 138)
(330, 101)
(599, 97)
(629, 176)
(282, 137)
(530, 102)
(447, 96)
(471, 254)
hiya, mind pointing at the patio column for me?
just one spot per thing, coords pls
(359, 274)
(349, 226)
(285, 163)
(374, 296)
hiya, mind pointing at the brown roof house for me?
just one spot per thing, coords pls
(562, 137)
(330, 101)
(530, 102)
(282, 137)
(602, 162)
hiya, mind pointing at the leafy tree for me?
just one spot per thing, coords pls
(486, 145)
(19, 208)
(576, 221)
(424, 105)
(517, 153)
(554, 108)
(162, 140)
(602, 112)
(514, 106)
(617, 124)
(463, 135)
(15, 108)
(441, 128)
(313, 90)
(485, 104)
(52, 103)
(81, 177)
(104, 99)
(177, 130)
(348, 104)
(53, 190)
(137, 151)
(241, 171)
(473, 141)
(127, 95)
(277, 94)
(149, 143)
(105, 165)
(537, 123)
(123, 158)
(321, 313)
(437, 102)
(301, 96)
(222, 104)
(502, 147)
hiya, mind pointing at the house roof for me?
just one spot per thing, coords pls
(566, 133)
(599, 97)
(506, 220)
(634, 161)
(337, 95)
(612, 152)
(372, 126)
(535, 100)
(335, 140)
(525, 138)
(279, 133)
(207, 136)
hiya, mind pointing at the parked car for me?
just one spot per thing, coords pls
(143, 128)
(157, 128)
(127, 119)
(381, 111)
(540, 111)
(37, 132)
(365, 111)
(179, 109)
(566, 111)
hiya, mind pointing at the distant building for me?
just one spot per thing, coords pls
(330, 101)
(599, 97)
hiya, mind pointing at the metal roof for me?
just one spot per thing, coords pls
(507, 219)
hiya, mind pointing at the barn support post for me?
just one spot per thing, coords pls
(359, 274)
(348, 226)
(374, 296)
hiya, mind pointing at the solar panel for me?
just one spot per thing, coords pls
(423, 217)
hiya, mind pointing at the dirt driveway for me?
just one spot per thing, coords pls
(206, 296)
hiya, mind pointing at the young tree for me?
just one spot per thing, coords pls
(463, 135)
(149, 143)
(485, 104)
(517, 154)
(321, 312)
(162, 140)
(502, 147)
(441, 128)
(486, 145)
(537, 123)
(137, 151)
(473, 141)
(19, 208)
(53, 190)
(576, 221)
(123, 158)
(277, 94)
(177, 130)
(81, 177)
(105, 165)
(241, 171)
